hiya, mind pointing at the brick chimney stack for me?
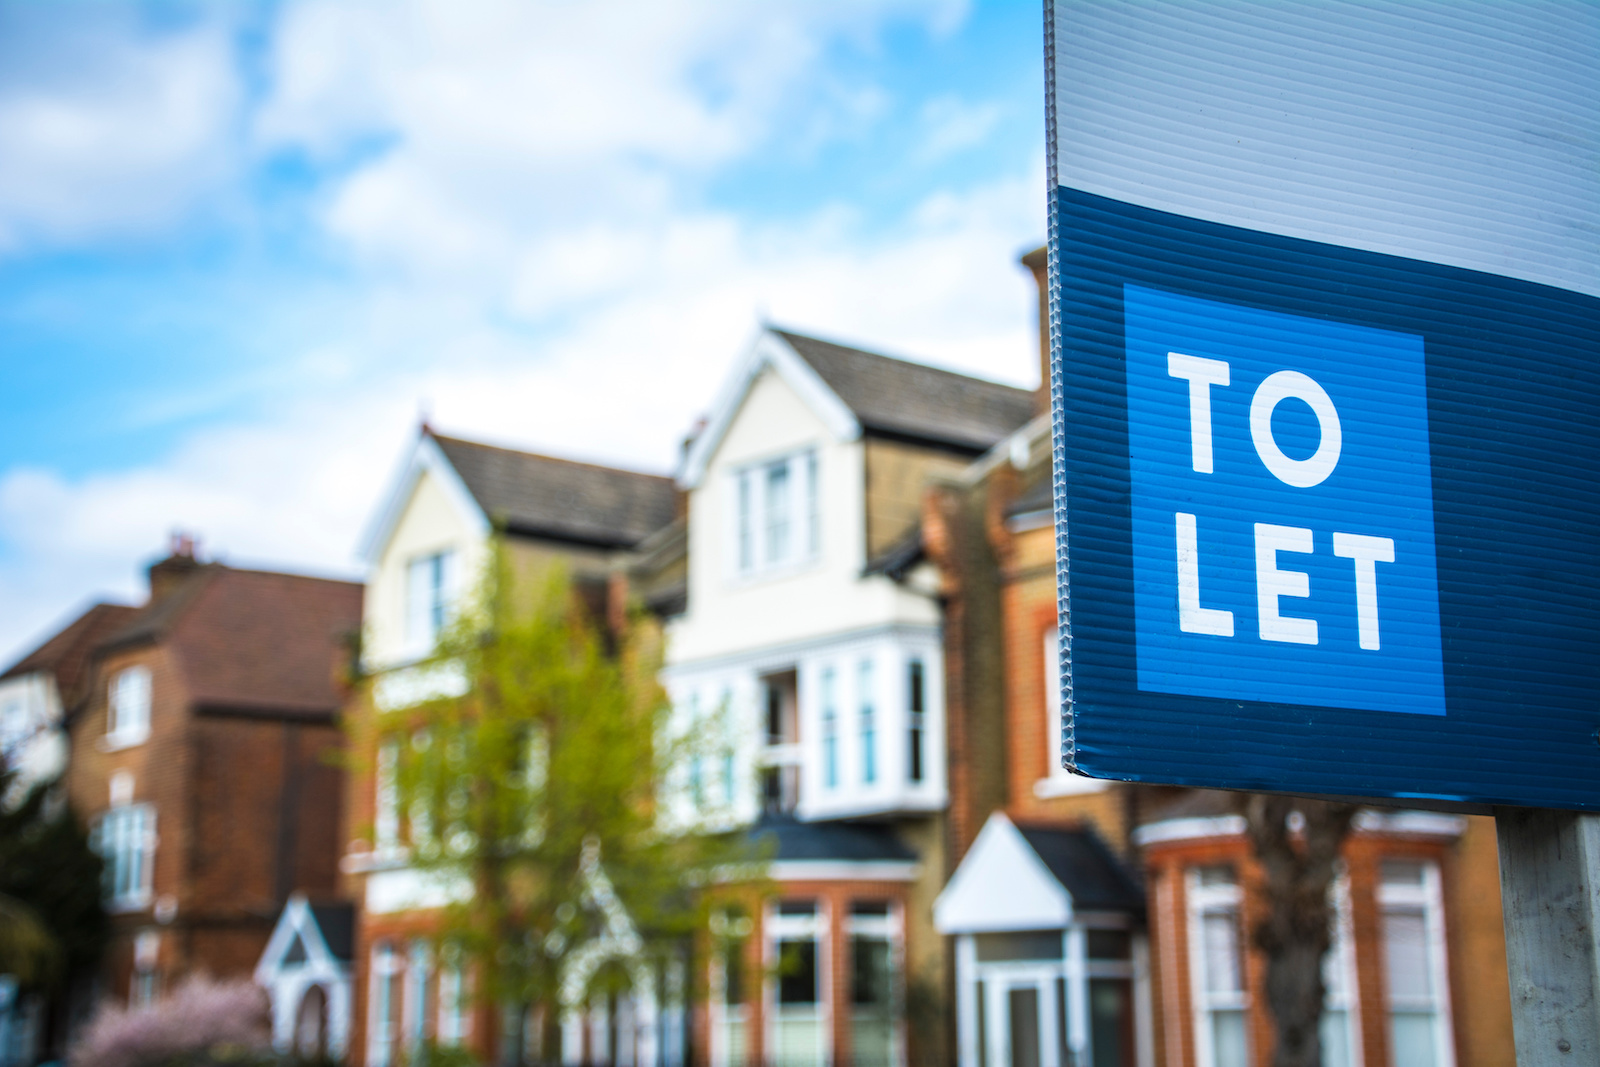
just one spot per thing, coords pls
(1038, 262)
(167, 574)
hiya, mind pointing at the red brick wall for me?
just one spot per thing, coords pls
(1479, 1006)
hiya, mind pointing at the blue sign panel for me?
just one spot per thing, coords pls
(1282, 507)
(1330, 518)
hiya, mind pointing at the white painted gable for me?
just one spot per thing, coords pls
(1002, 884)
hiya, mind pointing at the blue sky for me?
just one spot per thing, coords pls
(242, 247)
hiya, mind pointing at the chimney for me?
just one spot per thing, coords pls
(1038, 261)
(167, 574)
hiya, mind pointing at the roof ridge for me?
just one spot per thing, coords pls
(552, 459)
(918, 364)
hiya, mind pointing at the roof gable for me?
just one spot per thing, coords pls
(1001, 884)
(299, 941)
(769, 350)
(426, 458)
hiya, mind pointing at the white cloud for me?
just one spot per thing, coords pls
(107, 129)
(535, 263)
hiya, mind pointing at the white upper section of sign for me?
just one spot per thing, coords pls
(1459, 133)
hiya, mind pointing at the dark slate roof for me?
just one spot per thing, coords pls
(338, 924)
(67, 655)
(1081, 862)
(850, 841)
(541, 496)
(894, 398)
(253, 642)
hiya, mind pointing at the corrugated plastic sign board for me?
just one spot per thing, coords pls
(1327, 385)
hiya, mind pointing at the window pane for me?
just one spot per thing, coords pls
(1021, 945)
(797, 972)
(1411, 1038)
(1111, 1022)
(983, 1025)
(813, 509)
(869, 728)
(1228, 1047)
(1022, 1007)
(1402, 872)
(747, 556)
(830, 731)
(1221, 874)
(777, 504)
(869, 972)
(806, 908)
(1220, 936)
(1335, 1030)
(1405, 951)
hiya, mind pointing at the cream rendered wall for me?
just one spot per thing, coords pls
(431, 521)
(729, 614)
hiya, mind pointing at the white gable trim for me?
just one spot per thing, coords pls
(769, 350)
(297, 921)
(1002, 884)
(426, 456)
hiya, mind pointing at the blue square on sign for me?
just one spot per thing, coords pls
(1282, 507)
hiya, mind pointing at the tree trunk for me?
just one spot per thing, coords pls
(1294, 930)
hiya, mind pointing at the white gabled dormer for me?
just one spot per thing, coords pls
(426, 543)
(808, 474)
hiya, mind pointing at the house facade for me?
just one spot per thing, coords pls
(813, 627)
(202, 757)
(426, 551)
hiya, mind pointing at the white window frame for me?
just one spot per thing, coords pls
(869, 724)
(454, 1024)
(125, 839)
(1204, 900)
(753, 510)
(1340, 962)
(891, 928)
(1057, 780)
(779, 928)
(431, 581)
(386, 963)
(1428, 898)
(128, 700)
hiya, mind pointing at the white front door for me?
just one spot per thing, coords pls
(1023, 1017)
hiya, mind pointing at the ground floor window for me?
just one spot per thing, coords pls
(874, 983)
(1216, 952)
(798, 1034)
(1410, 902)
(384, 998)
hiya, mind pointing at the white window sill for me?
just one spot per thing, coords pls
(124, 905)
(772, 572)
(118, 742)
(1068, 785)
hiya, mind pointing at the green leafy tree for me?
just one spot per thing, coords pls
(555, 759)
(52, 924)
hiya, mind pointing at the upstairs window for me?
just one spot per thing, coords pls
(775, 513)
(830, 731)
(128, 721)
(869, 724)
(430, 586)
(1411, 903)
(125, 839)
(916, 708)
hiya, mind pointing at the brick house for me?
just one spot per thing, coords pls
(204, 758)
(425, 550)
(1417, 973)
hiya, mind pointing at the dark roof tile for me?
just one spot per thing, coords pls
(847, 841)
(898, 398)
(542, 496)
(1081, 862)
